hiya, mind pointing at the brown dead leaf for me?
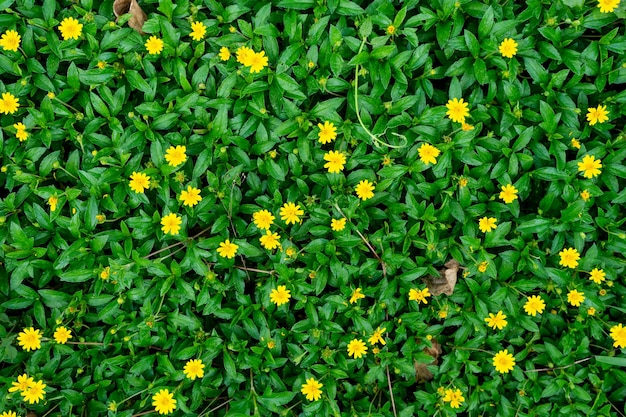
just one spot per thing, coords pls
(445, 282)
(121, 7)
(422, 374)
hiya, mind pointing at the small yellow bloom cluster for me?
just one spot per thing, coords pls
(32, 391)
(20, 131)
(453, 396)
(256, 61)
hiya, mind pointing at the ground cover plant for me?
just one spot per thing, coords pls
(312, 208)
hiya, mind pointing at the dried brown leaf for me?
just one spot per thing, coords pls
(422, 374)
(138, 18)
(445, 282)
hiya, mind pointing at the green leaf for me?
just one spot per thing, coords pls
(77, 275)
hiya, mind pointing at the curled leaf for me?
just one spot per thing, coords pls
(138, 17)
(445, 282)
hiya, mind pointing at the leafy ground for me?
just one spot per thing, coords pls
(312, 208)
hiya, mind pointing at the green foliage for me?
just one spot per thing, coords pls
(81, 249)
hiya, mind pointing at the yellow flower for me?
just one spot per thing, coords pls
(356, 296)
(23, 382)
(454, 397)
(227, 249)
(263, 219)
(327, 133)
(154, 45)
(164, 402)
(575, 143)
(357, 348)
(508, 193)
(428, 153)
(70, 28)
(34, 392)
(9, 103)
(62, 335)
(497, 320)
(21, 132)
(591, 311)
(336, 161)
(30, 339)
(102, 64)
(176, 155)
(338, 225)
(190, 197)
(419, 295)
(197, 31)
(443, 313)
(364, 190)
(257, 61)
(597, 276)
(280, 295)
(311, 389)
(618, 334)
(290, 213)
(8, 414)
(503, 361)
(290, 252)
(575, 298)
(10, 40)
(243, 55)
(590, 166)
(139, 182)
(271, 344)
(224, 53)
(534, 305)
(171, 223)
(607, 6)
(569, 258)
(232, 29)
(463, 182)
(193, 369)
(585, 195)
(597, 114)
(482, 267)
(508, 48)
(378, 337)
(391, 29)
(487, 224)
(270, 240)
(458, 110)
(466, 127)
(602, 292)
(51, 95)
(106, 272)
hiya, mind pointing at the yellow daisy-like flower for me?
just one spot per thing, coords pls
(357, 348)
(263, 219)
(23, 382)
(591, 311)
(575, 143)
(164, 402)
(336, 161)
(503, 361)
(585, 195)
(62, 335)
(419, 295)
(597, 114)
(224, 53)
(198, 30)
(106, 273)
(270, 240)
(534, 305)
(193, 369)
(244, 54)
(487, 224)
(508, 48)
(9, 103)
(569, 258)
(590, 166)
(428, 153)
(154, 45)
(102, 64)
(575, 298)
(190, 197)
(327, 133)
(311, 389)
(52, 202)
(496, 321)
(139, 182)
(466, 127)
(364, 190)
(458, 110)
(21, 132)
(70, 28)
(454, 397)
(280, 295)
(356, 296)
(227, 249)
(176, 155)
(618, 334)
(338, 224)
(607, 6)
(391, 30)
(290, 213)
(377, 337)
(482, 267)
(10, 40)
(257, 61)
(171, 223)
(34, 393)
(508, 193)
(597, 276)
(30, 339)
